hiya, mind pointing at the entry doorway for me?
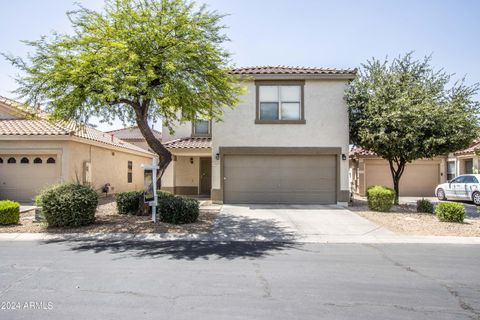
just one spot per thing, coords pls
(205, 176)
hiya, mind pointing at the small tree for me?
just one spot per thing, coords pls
(405, 110)
(138, 60)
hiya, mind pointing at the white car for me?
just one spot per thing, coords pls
(464, 187)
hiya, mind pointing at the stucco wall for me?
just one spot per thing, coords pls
(182, 130)
(326, 125)
(107, 166)
(142, 144)
(187, 173)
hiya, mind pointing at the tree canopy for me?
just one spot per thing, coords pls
(405, 110)
(137, 60)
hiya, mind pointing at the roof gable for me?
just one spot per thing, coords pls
(132, 133)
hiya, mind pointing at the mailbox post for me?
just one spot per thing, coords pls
(150, 186)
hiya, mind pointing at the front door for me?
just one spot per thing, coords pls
(205, 175)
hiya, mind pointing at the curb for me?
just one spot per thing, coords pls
(325, 239)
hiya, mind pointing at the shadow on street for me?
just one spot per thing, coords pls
(223, 245)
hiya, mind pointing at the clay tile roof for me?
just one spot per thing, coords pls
(474, 147)
(29, 127)
(359, 151)
(40, 126)
(292, 70)
(10, 102)
(189, 143)
(22, 108)
(132, 133)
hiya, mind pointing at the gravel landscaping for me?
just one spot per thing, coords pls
(109, 221)
(404, 219)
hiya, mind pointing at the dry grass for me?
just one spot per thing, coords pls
(109, 221)
(404, 219)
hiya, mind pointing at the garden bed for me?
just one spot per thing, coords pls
(109, 221)
(403, 219)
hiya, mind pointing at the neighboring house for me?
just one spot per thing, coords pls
(464, 161)
(134, 136)
(419, 178)
(35, 153)
(286, 142)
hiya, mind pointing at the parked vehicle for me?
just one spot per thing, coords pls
(464, 187)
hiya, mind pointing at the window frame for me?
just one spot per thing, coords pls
(470, 179)
(457, 179)
(300, 83)
(202, 135)
(454, 170)
(129, 171)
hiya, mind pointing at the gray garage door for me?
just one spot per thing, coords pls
(280, 179)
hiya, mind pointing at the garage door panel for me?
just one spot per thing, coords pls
(418, 179)
(280, 179)
(23, 181)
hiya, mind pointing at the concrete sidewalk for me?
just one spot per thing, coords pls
(325, 239)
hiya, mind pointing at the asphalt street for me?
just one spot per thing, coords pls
(237, 280)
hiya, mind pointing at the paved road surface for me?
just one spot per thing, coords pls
(240, 280)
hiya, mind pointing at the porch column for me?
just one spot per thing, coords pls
(168, 178)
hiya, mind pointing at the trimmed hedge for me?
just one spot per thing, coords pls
(9, 212)
(164, 194)
(178, 210)
(425, 206)
(450, 212)
(380, 198)
(68, 205)
(129, 202)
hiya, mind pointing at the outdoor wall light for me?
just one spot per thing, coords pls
(217, 156)
(191, 160)
(344, 156)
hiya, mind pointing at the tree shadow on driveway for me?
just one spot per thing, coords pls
(232, 237)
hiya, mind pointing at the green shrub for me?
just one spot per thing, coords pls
(380, 198)
(129, 202)
(425, 206)
(164, 194)
(68, 205)
(450, 212)
(9, 212)
(178, 210)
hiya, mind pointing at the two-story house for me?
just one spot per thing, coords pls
(285, 142)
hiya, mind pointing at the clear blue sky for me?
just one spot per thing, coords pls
(296, 32)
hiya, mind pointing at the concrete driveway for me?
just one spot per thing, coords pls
(307, 223)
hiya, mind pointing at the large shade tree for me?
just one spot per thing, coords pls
(137, 60)
(405, 110)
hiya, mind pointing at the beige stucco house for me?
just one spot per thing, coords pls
(35, 153)
(286, 141)
(464, 161)
(419, 178)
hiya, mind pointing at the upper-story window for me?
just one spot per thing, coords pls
(280, 103)
(201, 128)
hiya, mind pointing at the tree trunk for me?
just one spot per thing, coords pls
(396, 175)
(165, 157)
